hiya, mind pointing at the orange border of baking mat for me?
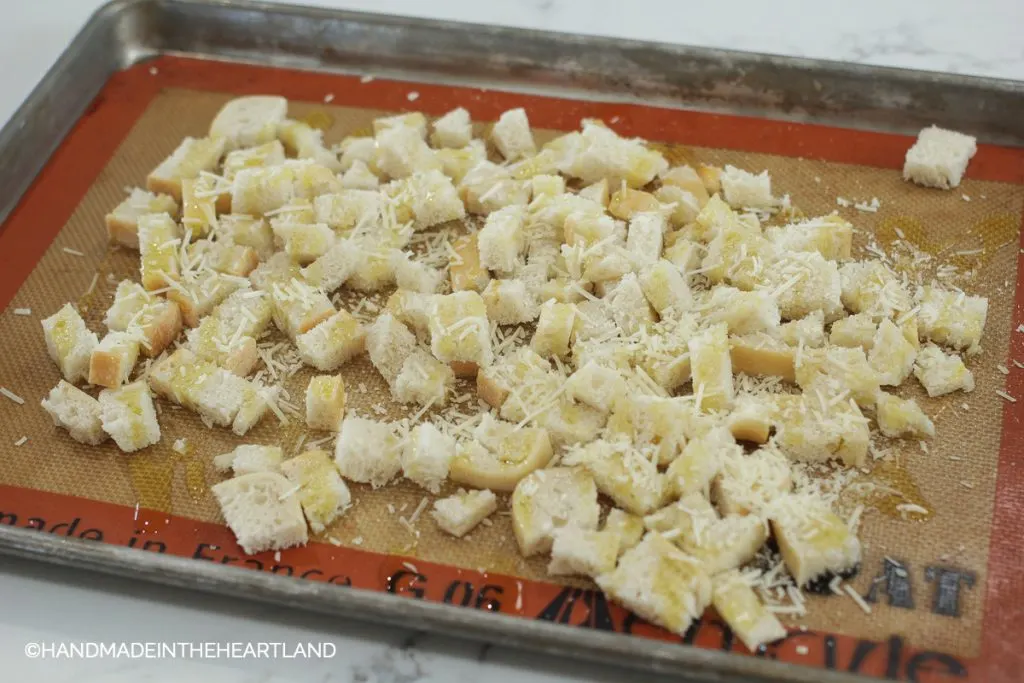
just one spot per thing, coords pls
(53, 196)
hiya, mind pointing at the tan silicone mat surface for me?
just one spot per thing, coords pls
(954, 480)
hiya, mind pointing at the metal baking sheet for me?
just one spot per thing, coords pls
(125, 35)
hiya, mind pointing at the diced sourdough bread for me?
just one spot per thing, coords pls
(249, 121)
(192, 156)
(902, 417)
(459, 514)
(813, 540)
(368, 451)
(426, 456)
(77, 412)
(129, 417)
(113, 359)
(939, 158)
(123, 221)
(738, 605)
(460, 330)
(325, 402)
(511, 135)
(322, 492)
(70, 343)
(246, 459)
(582, 552)
(453, 130)
(745, 190)
(332, 342)
(261, 513)
(629, 528)
(552, 499)
(941, 373)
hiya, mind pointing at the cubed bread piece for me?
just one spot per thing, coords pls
(509, 302)
(504, 461)
(597, 386)
(333, 268)
(813, 540)
(456, 163)
(200, 294)
(625, 203)
(660, 583)
(268, 154)
(332, 343)
(737, 254)
(711, 368)
(306, 142)
(389, 344)
(346, 209)
(304, 242)
(568, 423)
(599, 152)
(546, 184)
(681, 206)
(555, 327)
(830, 236)
(368, 451)
(402, 151)
(552, 499)
(261, 190)
(128, 416)
(154, 321)
(693, 470)
(661, 423)
(453, 130)
(200, 200)
(848, 369)
(459, 514)
(426, 456)
(711, 177)
(464, 267)
(423, 380)
(260, 513)
(644, 240)
(892, 356)
(853, 331)
(354, 149)
(412, 310)
(625, 473)
(951, 318)
(751, 419)
(745, 190)
(748, 484)
(902, 417)
(628, 528)
(249, 458)
(583, 552)
(760, 355)
(276, 270)
(298, 308)
(69, 343)
(213, 392)
(123, 221)
(322, 492)
(460, 330)
(941, 373)
(665, 354)
(113, 359)
(159, 242)
(740, 608)
(511, 135)
(803, 282)
(227, 336)
(247, 231)
(488, 187)
(325, 402)
(597, 192)
(665, 287)
(77, 412)
(415, 121)
(255, 402)
(522, 371)
(743, 312)
(822, 425)
(502, 240)
(939, 157)
(359, 177)
(808, 332)
(191, 157)
(871, 287)
(685, 178)
(629, 307)
(225, 257)
(685, 254)
(249, 121)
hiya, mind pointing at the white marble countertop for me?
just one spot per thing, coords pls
(49, 604)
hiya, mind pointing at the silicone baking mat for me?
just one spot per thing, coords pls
(943, 589)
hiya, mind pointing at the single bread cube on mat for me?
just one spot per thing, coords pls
(939, 158)
(555, 329)
(660, 583)
(745, 190)
(402, 151)
(389, 343)
(665, 287)
(738, 605)
(453, 130)
(750, 420)
(487, 187)
(719, 544)
(583, 552)
(201, 294)
(307, 142)
(892, 356)
(123, 221)
(323, 494)
(511, 135)
(628, 528)
(426, 456)
(460, 330)
(260, 191)
(423, 380)
(459, 514)
(941, 373)
(803, 282)
(188, 160)
(693, 470)
(247, 459)
(113, 359)
(599, 387)
(249, 121)
(128, 416)
(355, 149)
(629, 307)
(813, 540)
(551, 499)
(224, 257)
(347, 209)
(601, 153)
(520, 370)
(332, 343)
(429, 196)
(298, 308)
(747, 484)
(325, 402)
(202, 199)
(159, 247)
(414, 275)
(261, 513)
(952, 318)
(333, 269)
(744, 312)
(411, 309)
(304, 242)
(77, 412)
(687, 179)
(902, 417)
(227, 336)
(368, 451)
(502, 240)
(509, 302)
(711, 367)
(645, 238)
(70, 343)
(847, 370)
(155, 321)
(551, 185)
(456, 163)
(857, 330)
(464, 266)
(268, 154)
(682, 206)
(413, 120)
